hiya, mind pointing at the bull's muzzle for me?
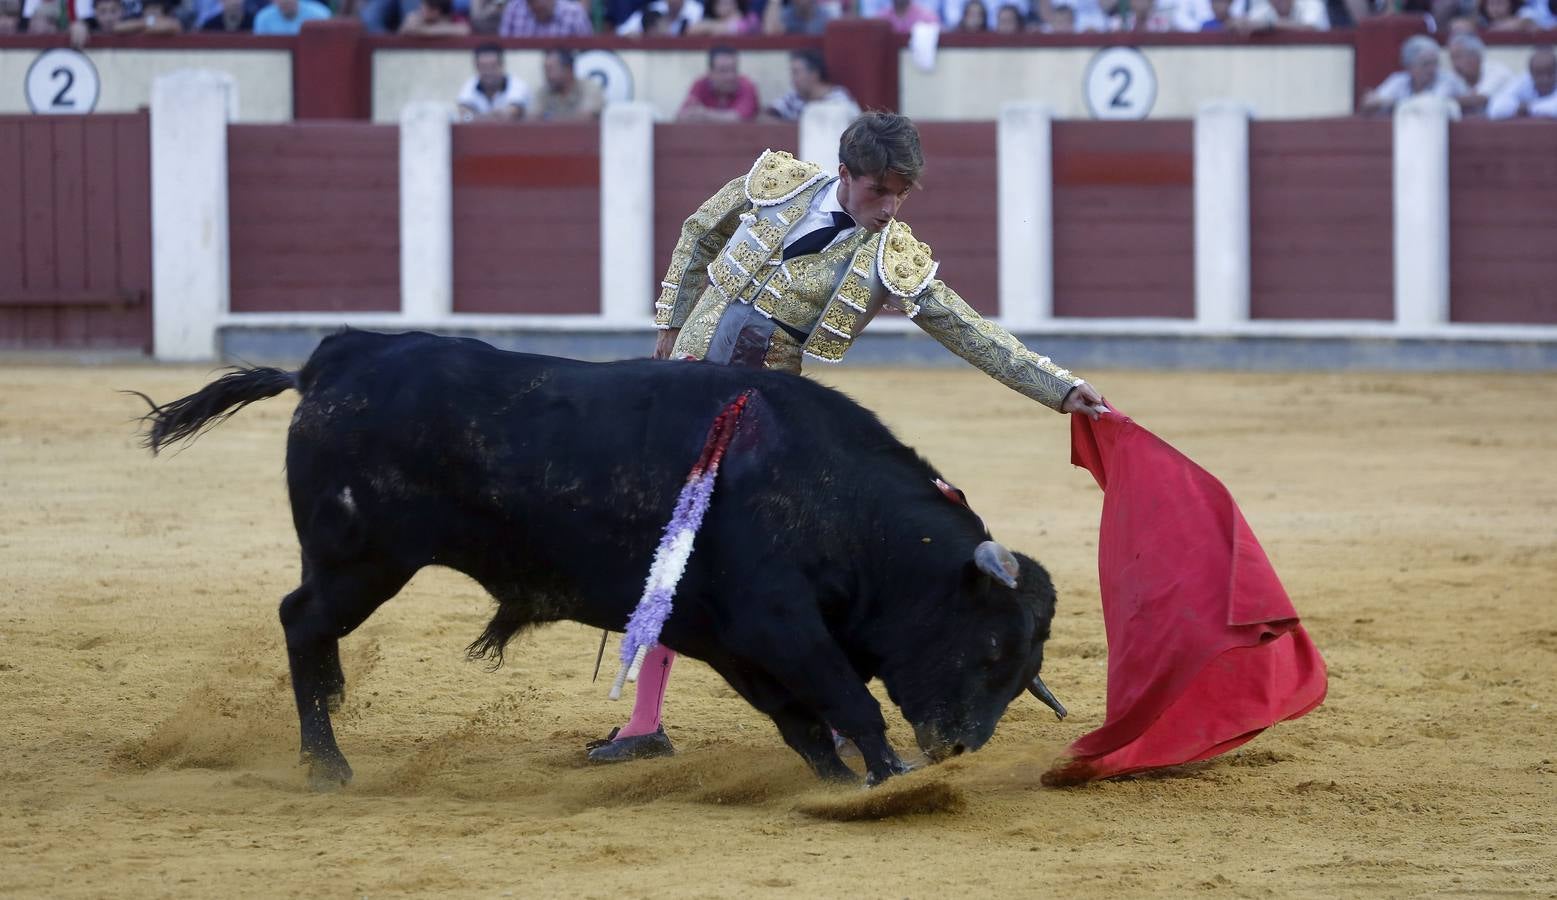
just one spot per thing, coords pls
(1041, 691)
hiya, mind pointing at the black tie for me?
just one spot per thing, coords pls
(817, 241)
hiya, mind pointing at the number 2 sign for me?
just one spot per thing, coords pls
(62, 82)
(1120, 84)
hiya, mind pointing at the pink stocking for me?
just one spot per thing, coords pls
(652, 679)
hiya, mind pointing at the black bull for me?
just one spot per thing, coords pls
(828, 556)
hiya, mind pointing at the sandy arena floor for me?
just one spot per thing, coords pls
(149, 741)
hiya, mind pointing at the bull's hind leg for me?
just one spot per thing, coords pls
(329, 605)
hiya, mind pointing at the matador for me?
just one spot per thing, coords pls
(788, 263)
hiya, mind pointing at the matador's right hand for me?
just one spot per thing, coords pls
(665, 343)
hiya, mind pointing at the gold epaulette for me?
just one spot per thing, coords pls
(903, 263)
(777, 176)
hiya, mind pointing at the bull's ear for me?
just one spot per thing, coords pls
(997, 562)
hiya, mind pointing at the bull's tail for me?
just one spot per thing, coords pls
(189, 417)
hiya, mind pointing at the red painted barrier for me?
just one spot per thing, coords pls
(527, 218)
(1124, 235)
(314, 211)
(1503, 212)
(1321, 220)
(956, 210)
(75, 232)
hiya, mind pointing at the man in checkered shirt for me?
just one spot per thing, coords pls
(545, 18)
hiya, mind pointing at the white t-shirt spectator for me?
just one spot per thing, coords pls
(790, 106)
(1494, 78)
(1397, 87)
(691, 14)
(1305, 12)
(1522, 93)
(514, 93)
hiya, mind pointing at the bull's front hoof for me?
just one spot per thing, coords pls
(895, 767)
(639, 746)
(327, 774)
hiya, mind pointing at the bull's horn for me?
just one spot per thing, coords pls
(997, 562)
(1041, 691)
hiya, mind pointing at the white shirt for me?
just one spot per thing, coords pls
(1397, 87)
(1304, 12)
(820, 215)
(1494, 78)
(1522, 91)
(514, 93)
(691, 13)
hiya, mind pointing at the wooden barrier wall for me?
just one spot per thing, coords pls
(956, 212)
(1503, 222)
(1124, 227)
(527, 219)
(314, 212)
(1321, 243)
(75, 232)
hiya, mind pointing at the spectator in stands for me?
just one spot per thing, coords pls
(797, 17)
(1221, 16)
(903, 15)
(435, 18)
(564, 97)
(1284, 15)
(235, 18)
(152, 17)
(731, 18)
(1421, 75)
(1531, 94)
(492, 95)
(43, 18)
(673, 17)
(1499, 15)
(723, 95)
(1060, 20)
(1542, 12)
(1141, 15)
(545, 18)
(287, 16)
(974, 19)
(808, 75)
(1008, 19)
(1464, 24)
(1486, 78)
(10, 16)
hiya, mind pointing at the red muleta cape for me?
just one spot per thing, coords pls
(1204, 647)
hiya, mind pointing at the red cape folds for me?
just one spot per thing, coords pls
(1204, 647)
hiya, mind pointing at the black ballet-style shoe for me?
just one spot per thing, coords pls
(639, 746)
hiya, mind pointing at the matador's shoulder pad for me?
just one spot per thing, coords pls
(778, 176)
(903, 262)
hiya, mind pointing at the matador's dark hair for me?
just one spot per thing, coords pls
(878, 142)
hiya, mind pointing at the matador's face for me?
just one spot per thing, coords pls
(872, 200)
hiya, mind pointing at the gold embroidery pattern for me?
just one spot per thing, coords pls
(777, 176)
(749, 258)
(698, 332)
(702, 236)
(726, 279)
(835, 332)
(783, 353)
(770, 234)
(840, 320)
(957, 326)
(825, 347)
(904, 263)
(855, 292)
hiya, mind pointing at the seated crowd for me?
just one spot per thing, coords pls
(571, 18)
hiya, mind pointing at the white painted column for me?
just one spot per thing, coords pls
(821, 125)
(627, 277)
(190, 269)
(1025, 209)
(1221, 215)
(426, 213)
(1421, 185)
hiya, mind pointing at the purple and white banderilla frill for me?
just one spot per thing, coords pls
(675, 549)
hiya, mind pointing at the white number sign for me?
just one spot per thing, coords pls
(1120, 84)
(616, 81)
(62, 82)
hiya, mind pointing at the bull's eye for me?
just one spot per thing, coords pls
(994, 646)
